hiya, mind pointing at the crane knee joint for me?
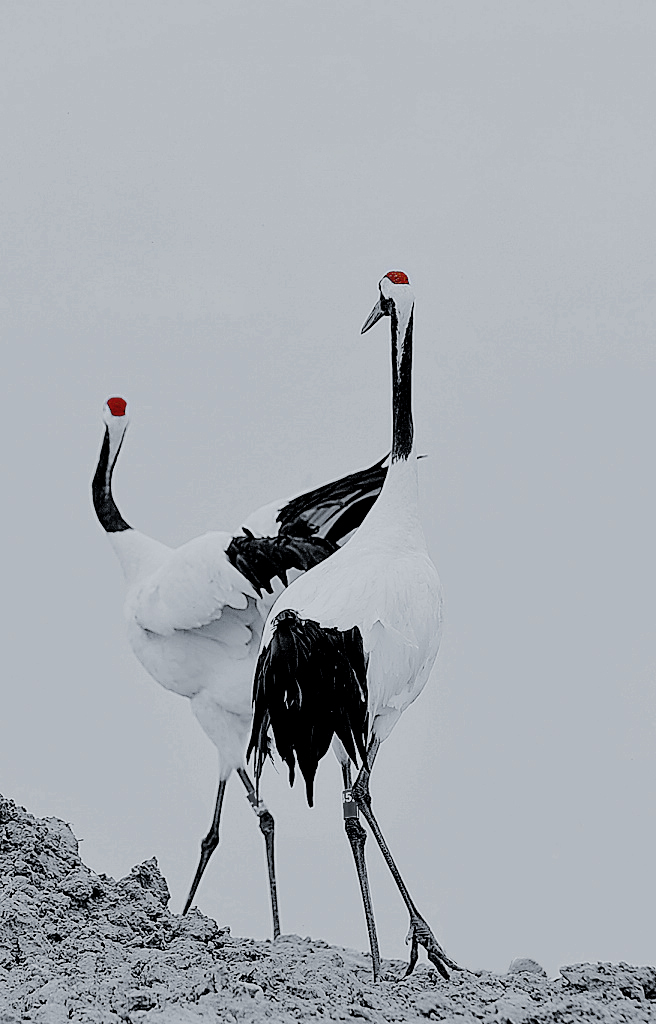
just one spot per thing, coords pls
(267, 824)
(356, 834)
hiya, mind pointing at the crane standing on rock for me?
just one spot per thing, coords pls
(195, 614)
(349, 645)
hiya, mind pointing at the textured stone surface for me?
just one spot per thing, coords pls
(75, 946)
(524, 963)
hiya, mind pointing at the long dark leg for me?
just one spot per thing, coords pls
(207, 846)
(419, 930)
(267, 829)
(357, 838)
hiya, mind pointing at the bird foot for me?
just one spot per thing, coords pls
(421, 934)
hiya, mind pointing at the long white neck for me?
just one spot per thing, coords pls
(397, 507)
(138, 554)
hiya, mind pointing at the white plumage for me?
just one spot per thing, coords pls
(194, 623)
(372, 612)
(385, 584)
(194, 620)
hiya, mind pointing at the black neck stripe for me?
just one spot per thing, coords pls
(101, 489)
(403, 430)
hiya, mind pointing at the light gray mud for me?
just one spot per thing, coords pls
(75, 946)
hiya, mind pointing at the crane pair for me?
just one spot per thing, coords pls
(331, 658)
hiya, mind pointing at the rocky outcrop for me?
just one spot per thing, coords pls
(75, 946)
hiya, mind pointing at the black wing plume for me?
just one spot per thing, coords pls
(335, 509)
(310, 684)
(312, 527)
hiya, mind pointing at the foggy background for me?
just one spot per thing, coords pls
(198, 200)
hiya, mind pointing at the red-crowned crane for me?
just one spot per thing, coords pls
(195, 614)
(349, 645)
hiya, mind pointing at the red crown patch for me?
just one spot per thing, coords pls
(397, 277)
(116, 406)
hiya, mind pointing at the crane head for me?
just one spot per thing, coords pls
(395, 292)
(115, 415)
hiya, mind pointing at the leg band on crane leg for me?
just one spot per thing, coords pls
(258, 805)
(349, 806)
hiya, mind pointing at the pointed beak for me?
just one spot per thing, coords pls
(373, 318)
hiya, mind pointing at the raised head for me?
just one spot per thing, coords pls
(396, 298)
(115, 413)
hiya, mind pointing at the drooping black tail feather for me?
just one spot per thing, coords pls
(310, 685)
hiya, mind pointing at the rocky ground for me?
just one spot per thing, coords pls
(75, 946)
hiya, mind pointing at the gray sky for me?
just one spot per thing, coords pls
(198, 200)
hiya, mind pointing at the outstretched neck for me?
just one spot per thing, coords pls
(403, 430)
(101, 487)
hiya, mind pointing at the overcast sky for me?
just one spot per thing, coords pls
(198, 200)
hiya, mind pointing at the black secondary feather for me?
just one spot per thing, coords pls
(312, 527)
(351, 518)
(330, 510)
(310, 685)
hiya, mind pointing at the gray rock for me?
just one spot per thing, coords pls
(523, 964)
(96, 951)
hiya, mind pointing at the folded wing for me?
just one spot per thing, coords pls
(192, 587)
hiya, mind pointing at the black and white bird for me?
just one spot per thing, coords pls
(350, 644)
(195, 614)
